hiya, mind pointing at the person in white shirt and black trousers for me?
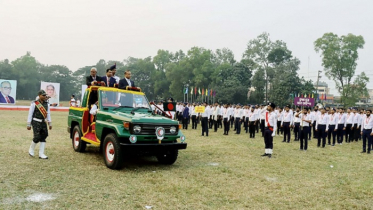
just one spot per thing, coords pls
(304, 128)
(286, 123)
(367, 132)
(333, 121)
(270, 126)
(322, 127)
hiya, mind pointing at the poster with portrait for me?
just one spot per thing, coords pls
(53, 91)
(8, 91)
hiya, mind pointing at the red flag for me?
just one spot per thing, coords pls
(322, 96)
(195, 90)
(301, 95)
(203, 91)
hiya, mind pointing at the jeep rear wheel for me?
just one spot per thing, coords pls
(168, 158)
(78, 144)
(112, 153)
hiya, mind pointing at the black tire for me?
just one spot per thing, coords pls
(78, 144)
(168, 158)
(112, 152)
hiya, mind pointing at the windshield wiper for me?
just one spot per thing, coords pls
(119, 107)
(137, 108)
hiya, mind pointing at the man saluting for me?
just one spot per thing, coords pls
(38, 117)
(270, 127)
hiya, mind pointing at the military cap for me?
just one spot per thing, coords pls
(170, 99)
(288, 106)
(42, 92)
(272, 105)
(113, 66)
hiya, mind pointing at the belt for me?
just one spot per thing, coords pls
(38, 120)
(368, 129)
(297, 123)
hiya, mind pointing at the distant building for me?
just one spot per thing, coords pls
(322, 89)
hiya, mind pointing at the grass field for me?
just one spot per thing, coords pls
(215, 172)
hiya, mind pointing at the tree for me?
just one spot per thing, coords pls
(339, 56)
(357, 90)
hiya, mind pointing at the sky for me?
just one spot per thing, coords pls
(78, 33)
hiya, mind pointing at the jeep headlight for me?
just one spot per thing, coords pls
(136, 129)
(173, 130)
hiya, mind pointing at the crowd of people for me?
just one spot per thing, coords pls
(330, 126)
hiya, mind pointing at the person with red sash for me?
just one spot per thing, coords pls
(270, 126)
(38, 117)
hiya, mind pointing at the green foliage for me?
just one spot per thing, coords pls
(339, 56)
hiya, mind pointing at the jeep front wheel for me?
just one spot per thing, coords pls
(112, 153)
(168, 158)
(78, 144)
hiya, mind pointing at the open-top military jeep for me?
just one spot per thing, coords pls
(125, 124)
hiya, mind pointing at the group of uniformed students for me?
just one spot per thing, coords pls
(324, 123)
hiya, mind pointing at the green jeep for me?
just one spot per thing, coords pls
(125, 124)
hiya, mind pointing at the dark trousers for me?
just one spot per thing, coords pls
(314, 130)
(237, 125)
(262, 126)
(357, 131)
(321, 134)
(331, 133)
(246, 124)
(279, 129)
(215, 125)
(257, 126)
(194, 122)
(367, 136)
(211, 122)
(268, 139)
(220, 125)
(309, 133)
(286, 127)
(205, 127)
(296, 130)
(303, 137)
(348, 132)
(185, 123)
(226, 125)
(340, 133)
(252, 129)
(232, 121)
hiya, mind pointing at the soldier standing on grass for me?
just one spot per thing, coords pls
(270, 126)
(38, 116)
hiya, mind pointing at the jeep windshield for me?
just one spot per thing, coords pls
(117, 99)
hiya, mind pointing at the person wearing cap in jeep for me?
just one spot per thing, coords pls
(38, 117)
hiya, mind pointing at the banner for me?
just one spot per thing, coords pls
(8, 91)
(53, 91)
(84, 87)
(310, 102)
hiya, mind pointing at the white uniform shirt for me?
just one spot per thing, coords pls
(333, 119)
(238, 113)
(357, 119)
(206, 113)
(303, 117)
(349, 118)
(252, 116)
(323, 119)
(279, 116)
(263, 113)
(117, 80)
(296, 119)
(341, 118)
(271, 121)
(287, 117)
(225, 112)
(367, 123)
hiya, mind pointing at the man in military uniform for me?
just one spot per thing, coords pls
(270, 126)
(39, 115)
